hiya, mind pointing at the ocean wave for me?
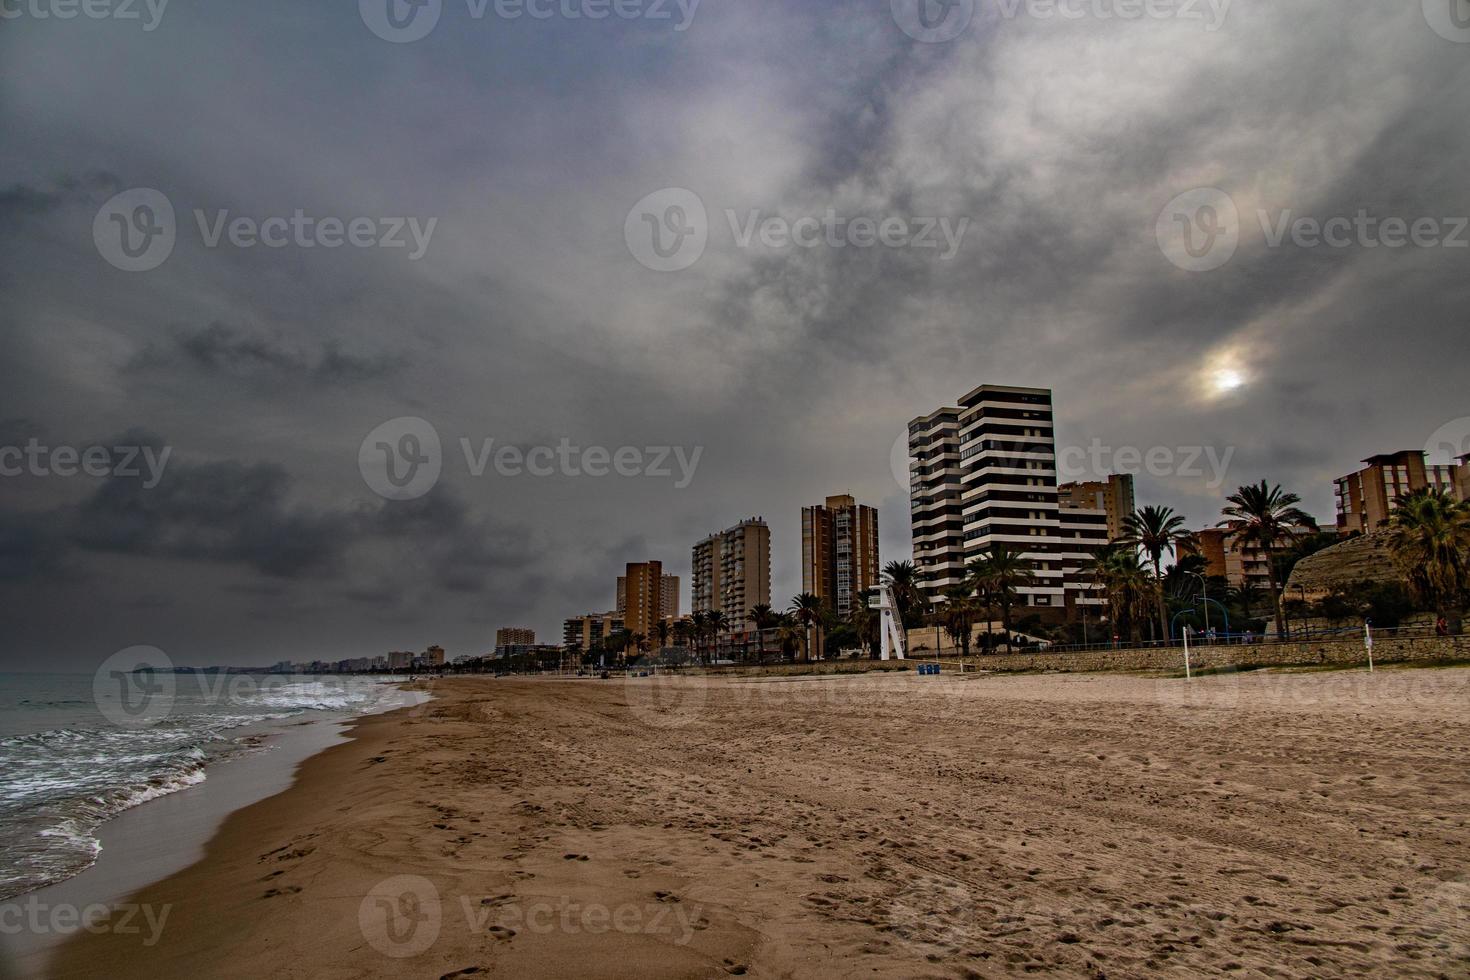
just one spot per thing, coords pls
(58, 786)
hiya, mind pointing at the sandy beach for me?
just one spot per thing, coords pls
(1261, 824)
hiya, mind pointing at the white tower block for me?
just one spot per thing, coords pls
(890, 630)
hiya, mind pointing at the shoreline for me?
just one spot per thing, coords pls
(147, 843)
(891, 826)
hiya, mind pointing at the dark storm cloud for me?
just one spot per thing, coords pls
(794, 369)
(27, 200)
(229, 351)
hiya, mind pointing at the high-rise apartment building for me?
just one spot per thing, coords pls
(1114, 496)
(983, 473)
(935, 489)
(508, 636)
(670, 588)
(1367, 498)
(646, 594)
(732, 572)
(839, 551)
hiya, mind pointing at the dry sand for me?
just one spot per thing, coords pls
(1309, 824)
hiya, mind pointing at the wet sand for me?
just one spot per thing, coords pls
(1262, 824)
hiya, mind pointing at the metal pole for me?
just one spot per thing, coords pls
(1204, 591)
(1187, 674)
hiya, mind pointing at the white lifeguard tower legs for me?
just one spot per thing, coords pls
(891, 633)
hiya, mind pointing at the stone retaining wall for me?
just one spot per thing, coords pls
(1337, 652)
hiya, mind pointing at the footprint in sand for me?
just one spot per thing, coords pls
(632, 873)
(468, 971)
(287, 890)
(734, 969)
(502, 933)
(668, 898)
(575, 857)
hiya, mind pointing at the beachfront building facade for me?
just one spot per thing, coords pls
(839, 552)
(732, 572)
(669, 595)
(1241, 565)
(508, 636)
(1114, 496)
(983, 473)
(935, 489)
(581, 632)
(648, 596)
(1367, 498)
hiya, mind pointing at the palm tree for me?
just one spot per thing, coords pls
(1267, 517)
(763, 618)
(1156, 530)
(618, 644)
(699, 626)
(806, 609)
(864, 622)
(1429, 535)
(1120, 571)
(903, 579)
(959, 616)
(999, 571)
(715, 624)
(977, 580)
(791, 634)
(682, 631)
(662, 630)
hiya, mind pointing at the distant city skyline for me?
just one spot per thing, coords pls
(584, 290)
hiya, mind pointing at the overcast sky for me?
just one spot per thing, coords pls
(534, 309)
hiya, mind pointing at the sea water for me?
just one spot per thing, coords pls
(69, 760)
